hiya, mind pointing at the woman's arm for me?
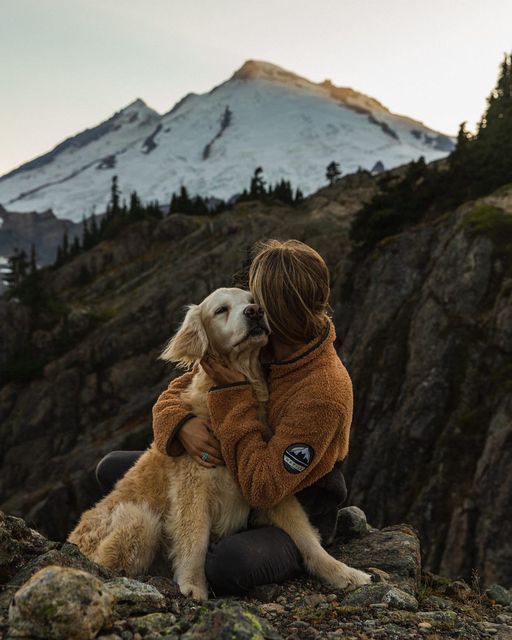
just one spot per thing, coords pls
(305, 445)
(170, 414)
(176, 429)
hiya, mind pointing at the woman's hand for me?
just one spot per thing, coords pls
(197, 439)
(220, 372)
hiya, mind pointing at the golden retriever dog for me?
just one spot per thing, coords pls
(175, 502)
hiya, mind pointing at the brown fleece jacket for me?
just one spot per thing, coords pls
(170, 414)
(309, 412)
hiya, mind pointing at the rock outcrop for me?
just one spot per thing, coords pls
(44, 230)
(57, 599)
(424, 325)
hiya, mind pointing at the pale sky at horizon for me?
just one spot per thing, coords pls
(66, 65)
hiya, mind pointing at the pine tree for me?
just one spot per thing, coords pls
(87, 240)
(499, 102)
(459, 157)
(333, 172)
(30, 289)
(65, 245)
(135, 211)
(114, 198)
(182, 202)
(172, 204)
(94, 229)
(17, 268)
(257, 189)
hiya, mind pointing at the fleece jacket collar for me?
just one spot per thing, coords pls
(307, 353)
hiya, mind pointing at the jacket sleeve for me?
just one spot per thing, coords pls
(303, 448)
(170, 414)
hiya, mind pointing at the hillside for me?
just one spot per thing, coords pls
(424, 326)
(212, 143)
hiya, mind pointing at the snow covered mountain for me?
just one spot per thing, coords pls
(262, 116)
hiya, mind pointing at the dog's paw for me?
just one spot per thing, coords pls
(358, 579)
(194, 591)
(347, 578)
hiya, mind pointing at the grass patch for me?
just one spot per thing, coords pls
(493, 221)
(505, 190)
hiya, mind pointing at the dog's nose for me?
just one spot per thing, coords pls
(253, 311)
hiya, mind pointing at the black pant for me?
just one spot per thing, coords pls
(237, 563)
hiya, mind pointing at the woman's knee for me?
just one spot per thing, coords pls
(240, 562)
(113, 466)
(228, 567)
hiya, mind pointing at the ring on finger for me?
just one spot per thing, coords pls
(205, 456)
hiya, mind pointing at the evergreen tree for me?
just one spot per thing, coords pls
(65, 245)
(333, 172)
(114, 198)
(173, 206)
(499, 102)
(87, 239)
(181, 203)
(94, 229)
(136, 209)
(17, 265)
(257, 189)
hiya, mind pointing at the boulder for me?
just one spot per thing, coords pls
(393, 551)
(60, 603)
(351, 522)
(374, 594)
(131, 597)
(229, 621)
(499, 594)
(18, 545)
(159, 624)
(63, 555)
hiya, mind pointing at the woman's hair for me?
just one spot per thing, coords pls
(290, 280)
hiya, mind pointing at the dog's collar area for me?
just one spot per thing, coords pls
(228, 385)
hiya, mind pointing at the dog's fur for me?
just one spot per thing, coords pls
(178, 503)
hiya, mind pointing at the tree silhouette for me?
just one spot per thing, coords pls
(257, 188)
(333, 172)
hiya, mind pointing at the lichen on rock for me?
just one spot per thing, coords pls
(59, 603)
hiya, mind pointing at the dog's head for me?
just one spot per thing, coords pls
(226, 321)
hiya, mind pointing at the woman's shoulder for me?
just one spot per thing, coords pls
(331, 373)
(325, 379)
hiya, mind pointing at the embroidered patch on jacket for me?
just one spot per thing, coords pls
(297, 457)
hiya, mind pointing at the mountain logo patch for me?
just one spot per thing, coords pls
(297, 457)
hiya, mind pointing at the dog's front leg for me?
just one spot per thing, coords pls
(291, 517)
(187, 532)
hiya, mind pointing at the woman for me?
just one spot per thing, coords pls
(309, 413)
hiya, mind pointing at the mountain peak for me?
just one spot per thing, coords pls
(137, 106)
(252, 69)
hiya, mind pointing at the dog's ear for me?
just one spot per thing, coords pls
(190, 343)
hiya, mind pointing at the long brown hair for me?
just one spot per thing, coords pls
(290, 280)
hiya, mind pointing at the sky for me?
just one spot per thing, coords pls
(66, 65)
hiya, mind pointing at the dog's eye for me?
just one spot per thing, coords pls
(220, 310)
